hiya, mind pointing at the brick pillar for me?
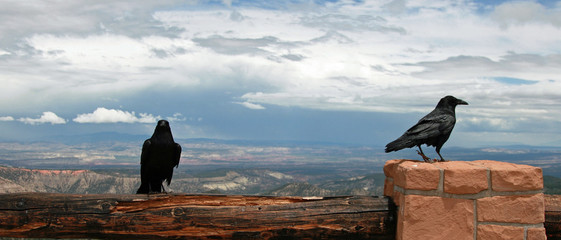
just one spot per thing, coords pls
(476, 200)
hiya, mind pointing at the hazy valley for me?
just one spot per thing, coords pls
(230, 167)
(232, 181)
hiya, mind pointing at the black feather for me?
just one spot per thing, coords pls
(434, 129)
(160, 154)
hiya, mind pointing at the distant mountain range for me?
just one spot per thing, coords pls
(90, 164)
(95, 151)
(63, 181)
(124, 137)
(362, 185)
(225, 181)
(96, 137)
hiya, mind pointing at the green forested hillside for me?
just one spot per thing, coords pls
(552, 185)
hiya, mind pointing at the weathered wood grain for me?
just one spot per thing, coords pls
(553, 216)
(195, 217)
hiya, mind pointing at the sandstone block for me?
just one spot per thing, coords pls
(416, 175)
(391, 165)
(431, 217)
(528, 209)
(496, 232)
(509, 177)
(536, 234)
(388, 187)
(397, 198)
(464, 177)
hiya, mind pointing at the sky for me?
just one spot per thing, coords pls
(357, 72)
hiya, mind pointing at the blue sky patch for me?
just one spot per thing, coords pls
(514, 81)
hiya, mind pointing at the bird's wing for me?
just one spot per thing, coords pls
(145, 151)
(175, 162)
(177, 155)
(447, 124)
(432, 126)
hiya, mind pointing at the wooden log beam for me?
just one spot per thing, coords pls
(553, 216)
(195, 216)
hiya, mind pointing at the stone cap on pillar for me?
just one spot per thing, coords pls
(461, 177)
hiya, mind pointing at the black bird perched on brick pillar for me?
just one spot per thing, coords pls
(159, 155)
(433, 129)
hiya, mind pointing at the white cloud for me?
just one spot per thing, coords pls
(543, 67)
(396, 6)
(177, 117)
(104, 115)
(251, 105)
(227, 2)
(47, 117)
(7, 119)
(80, 17)
(382, 56)
(523, 12)
(496, 124)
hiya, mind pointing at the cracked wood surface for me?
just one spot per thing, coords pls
(181, 216)
(553, 216)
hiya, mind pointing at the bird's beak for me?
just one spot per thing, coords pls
(462, 102)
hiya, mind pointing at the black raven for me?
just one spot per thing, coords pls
(433, 129)
(159, 155)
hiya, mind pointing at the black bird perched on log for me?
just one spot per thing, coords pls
(159, 155)
(433, 129)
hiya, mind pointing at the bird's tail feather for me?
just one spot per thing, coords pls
(399, 144)
(143, 189)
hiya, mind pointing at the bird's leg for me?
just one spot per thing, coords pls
(441, 158)
(164, 188)
(425, 158)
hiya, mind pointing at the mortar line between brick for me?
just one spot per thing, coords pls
(525, 233)
(475, 223)
(440, 190)
(482, 194)
(398, 188)
(489, 182)
(440, 186)
(525, 225)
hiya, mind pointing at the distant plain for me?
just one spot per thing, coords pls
(236, 166)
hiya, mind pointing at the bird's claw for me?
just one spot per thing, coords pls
(425, 158)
